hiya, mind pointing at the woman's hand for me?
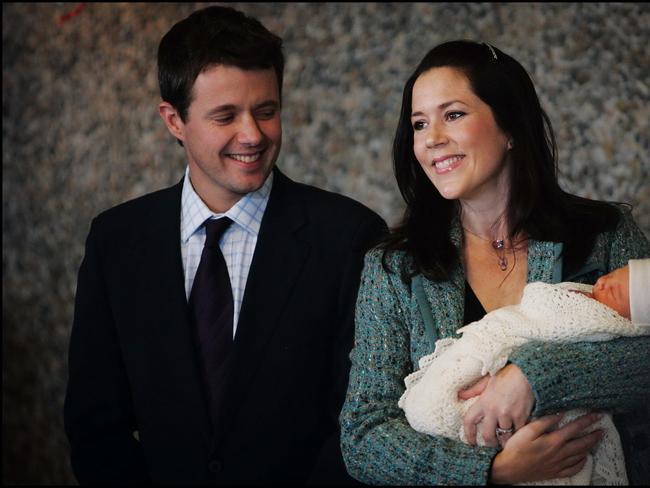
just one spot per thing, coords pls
(534, 454)
(506, 401)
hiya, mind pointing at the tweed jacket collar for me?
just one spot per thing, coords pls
(544, 264)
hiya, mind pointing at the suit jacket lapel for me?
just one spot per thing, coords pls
(279, 257)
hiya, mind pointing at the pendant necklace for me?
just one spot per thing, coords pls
(499, 246)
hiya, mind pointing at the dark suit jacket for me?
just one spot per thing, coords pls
(133, 368)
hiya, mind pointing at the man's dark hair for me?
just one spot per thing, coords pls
(537, 205)
(208, 37)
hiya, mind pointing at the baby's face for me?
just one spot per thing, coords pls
(613, 290)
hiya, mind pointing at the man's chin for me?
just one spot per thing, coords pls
(252, 182)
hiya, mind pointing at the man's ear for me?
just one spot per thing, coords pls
(172, 120)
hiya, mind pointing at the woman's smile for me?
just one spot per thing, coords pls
(445, 164)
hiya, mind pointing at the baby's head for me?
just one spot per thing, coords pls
(613, 290)
(626, 290)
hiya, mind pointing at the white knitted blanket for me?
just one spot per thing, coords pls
(546, 313)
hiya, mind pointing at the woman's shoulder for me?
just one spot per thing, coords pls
(388, 266)
(626, 229)
(623, 242)
(626, 220)
(389, 261)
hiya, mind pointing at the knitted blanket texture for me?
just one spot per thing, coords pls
(552, 313)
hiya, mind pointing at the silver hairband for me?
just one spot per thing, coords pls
(494, 54)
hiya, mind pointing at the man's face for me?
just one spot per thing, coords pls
(613, 290)
(232, 134)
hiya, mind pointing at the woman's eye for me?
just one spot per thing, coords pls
(454, 115)
(418, 125)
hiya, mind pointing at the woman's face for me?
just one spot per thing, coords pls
(456, 138)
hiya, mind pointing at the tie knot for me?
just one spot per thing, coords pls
(214, 229)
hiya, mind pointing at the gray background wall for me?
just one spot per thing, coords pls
(81, 133)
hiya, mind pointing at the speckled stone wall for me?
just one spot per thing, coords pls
(81, 133)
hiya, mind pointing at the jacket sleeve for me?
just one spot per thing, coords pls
(98, 413)
(378, 444)
(329, 468)
(611, 375)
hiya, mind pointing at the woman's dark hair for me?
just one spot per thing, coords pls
(537, 206)
(211, 36)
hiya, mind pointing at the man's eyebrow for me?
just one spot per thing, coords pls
(267, 104)
(442, 106)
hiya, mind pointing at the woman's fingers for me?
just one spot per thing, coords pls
(470, 421)
(504, 424)
(583, 444)
(571, 470)
(543, 424)
(569, 462)
(506, 399)
(575, 428)
(540, 450)
(488, 431)
(474, 390)
(520, 422)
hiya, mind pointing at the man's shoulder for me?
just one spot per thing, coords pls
(319, 201)
(152, 205)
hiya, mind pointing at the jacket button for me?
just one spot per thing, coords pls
(214, 466)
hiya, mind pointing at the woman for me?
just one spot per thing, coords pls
(475, 160)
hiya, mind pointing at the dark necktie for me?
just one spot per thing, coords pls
(211, 305)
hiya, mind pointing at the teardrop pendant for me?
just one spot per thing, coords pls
(499, 246)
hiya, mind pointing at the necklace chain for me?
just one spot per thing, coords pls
(499, 246)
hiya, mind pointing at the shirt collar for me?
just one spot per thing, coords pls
(247, 212)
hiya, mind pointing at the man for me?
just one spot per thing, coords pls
(151, 398)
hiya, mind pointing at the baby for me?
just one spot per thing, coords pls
(625, 290)
(554, 313)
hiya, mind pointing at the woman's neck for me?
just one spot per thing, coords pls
(485, 219)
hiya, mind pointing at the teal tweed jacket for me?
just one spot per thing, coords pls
(379, 446)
